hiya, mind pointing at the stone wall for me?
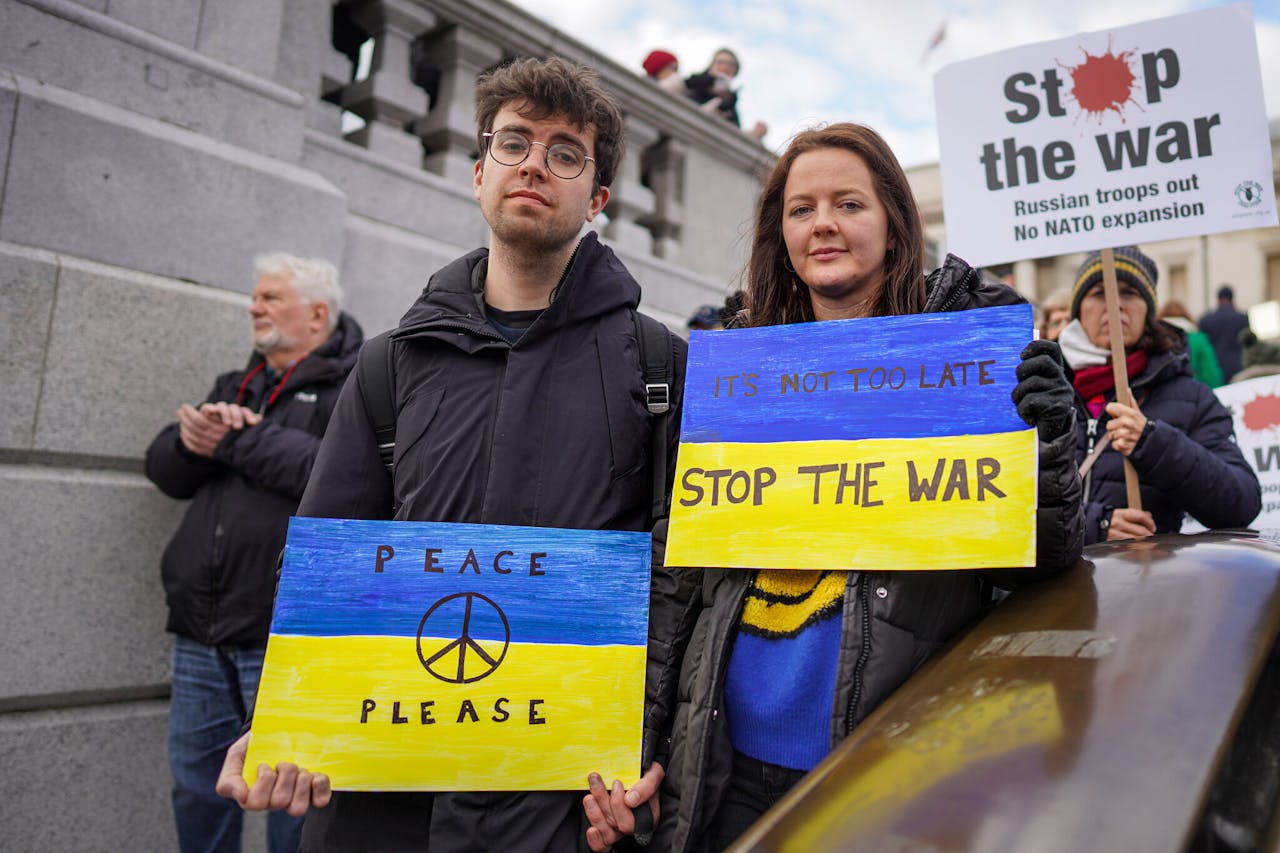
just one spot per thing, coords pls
(148, 150)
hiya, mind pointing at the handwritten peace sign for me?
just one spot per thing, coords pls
(456, 662)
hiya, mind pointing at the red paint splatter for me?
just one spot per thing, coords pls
(1262, 412)
(1104, 82)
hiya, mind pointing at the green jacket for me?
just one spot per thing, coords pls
(1204, 361)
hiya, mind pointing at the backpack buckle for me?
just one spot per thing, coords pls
(657, 397)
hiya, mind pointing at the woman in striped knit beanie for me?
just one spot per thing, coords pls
(1177, 435)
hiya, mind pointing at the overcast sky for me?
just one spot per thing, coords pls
(811, 61)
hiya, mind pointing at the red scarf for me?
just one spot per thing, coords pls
(1095, 383)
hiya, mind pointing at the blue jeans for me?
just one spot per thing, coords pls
(213, 691)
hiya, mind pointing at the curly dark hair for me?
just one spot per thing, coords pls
(774, 295)
(542, 88)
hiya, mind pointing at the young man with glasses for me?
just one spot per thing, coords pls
(520, 400)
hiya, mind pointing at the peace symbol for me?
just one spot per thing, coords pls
(462, 651)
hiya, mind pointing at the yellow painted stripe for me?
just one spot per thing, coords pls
(879, 529)
(950, 743)
(309, 708)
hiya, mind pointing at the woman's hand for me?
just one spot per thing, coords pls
(1125, 427)
(1130, 524)
(1043, 395)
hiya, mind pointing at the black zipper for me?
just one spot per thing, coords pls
(1092, 432)
(964, 287)
(493, 428)
(864, 602)
(564, 273)
(215, 563)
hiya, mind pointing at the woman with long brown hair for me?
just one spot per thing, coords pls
(779, 666)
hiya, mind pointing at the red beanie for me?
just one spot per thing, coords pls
(658, 60)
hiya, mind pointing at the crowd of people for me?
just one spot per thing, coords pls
(711, 89)
(502, 418)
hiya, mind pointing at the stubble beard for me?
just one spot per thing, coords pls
(526, 236)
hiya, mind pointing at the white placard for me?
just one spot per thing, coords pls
(1264, 320)
(1255, 411)
(1139, 133)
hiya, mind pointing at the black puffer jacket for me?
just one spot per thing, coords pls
(552, 431)
(892, 621)
(1187, 459)
(219, 568)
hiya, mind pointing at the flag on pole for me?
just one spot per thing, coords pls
(938, 38)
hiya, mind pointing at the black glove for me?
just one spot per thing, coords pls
(1043, 395)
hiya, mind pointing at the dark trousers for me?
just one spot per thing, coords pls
(474, 822)
(753, 789)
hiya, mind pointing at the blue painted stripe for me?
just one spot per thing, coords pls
(912, 351)
(593, 590)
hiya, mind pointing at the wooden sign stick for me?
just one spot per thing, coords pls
(1118, 365)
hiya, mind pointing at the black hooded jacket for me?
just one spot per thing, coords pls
(219, 568)
(1187, 459)
(551, 431)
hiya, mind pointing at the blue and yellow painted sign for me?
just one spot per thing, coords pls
(889, 443)
(454, 657)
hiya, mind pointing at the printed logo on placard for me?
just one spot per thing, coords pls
(1249, 193)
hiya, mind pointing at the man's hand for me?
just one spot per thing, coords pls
(1130, 524)
(286, 787)
(1043, 395)
(610, 811)
(199, 433)
(236, 417)
(1125, 427)
(201, 429)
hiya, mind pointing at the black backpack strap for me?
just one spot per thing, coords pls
(654, 339)
(378, 382)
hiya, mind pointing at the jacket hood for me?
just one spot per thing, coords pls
(956, 286)
(594, 283)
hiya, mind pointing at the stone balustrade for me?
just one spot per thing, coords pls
(686, 187)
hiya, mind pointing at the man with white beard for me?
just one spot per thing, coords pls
(242, 458)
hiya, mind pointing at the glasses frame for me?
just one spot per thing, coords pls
(489, 136)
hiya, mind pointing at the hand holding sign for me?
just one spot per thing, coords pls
(618, 812)
(1043, 395)
(1125, 426)
(285, 787)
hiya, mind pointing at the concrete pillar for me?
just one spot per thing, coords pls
(449, 131)
(630, 200)
(664, 163)
(387, 99)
